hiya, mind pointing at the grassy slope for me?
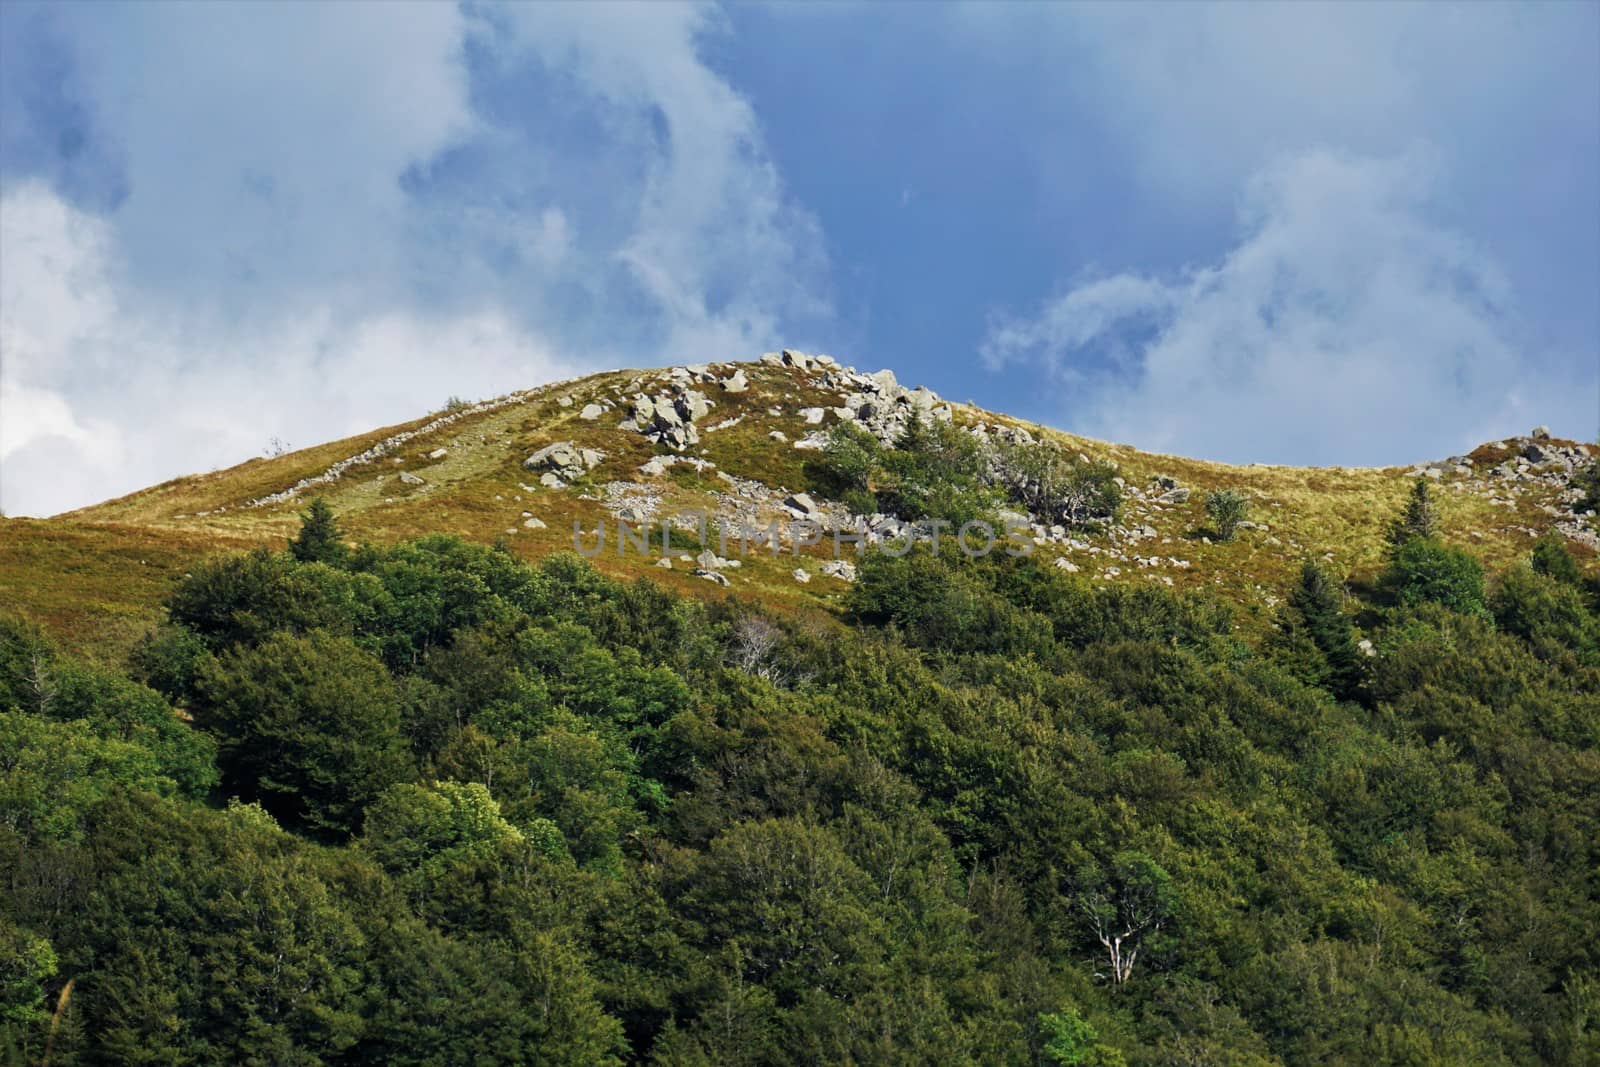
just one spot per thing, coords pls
(96, 577)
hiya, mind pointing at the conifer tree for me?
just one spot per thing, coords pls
(1316, 602)
(1420, 518)
(320, 539)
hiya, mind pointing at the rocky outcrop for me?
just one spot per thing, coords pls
(564, 461)
(668, 418)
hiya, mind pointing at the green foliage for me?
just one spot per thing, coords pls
(309, 726)
(1549, 614)
(320, 540)
(26, 962)
(1419, 520)
(241, 599)
(53, 773)
(1587, 479)
(1424, 571)
(1552, 559)
(997, 815)
(1227, 508)
(167, 659)
(1059, 486)
(1318, 637)
(850, 468)
(1070, 1041)
(938, 471)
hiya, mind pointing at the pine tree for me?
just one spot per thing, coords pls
(320, 537)
(1420, 518)
(1316, 602)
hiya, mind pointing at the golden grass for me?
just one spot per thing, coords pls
(97, 577)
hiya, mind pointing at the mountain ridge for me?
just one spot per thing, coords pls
(734, 439)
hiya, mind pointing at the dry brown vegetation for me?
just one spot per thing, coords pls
(97, 576)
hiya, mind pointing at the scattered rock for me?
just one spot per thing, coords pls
(711, 576)
(1540, 433)
(591, 412)
(802, 575)
(779, 436)
(410, 479)
(841, 569)
(564, 401)
(439, 453)
(736, 382)
(1174, 496)
(550, 481)
(813, 416)
(664, 562)
(802, 503)
(1067, 565)
(534, 524)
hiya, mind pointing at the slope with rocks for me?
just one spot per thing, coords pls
(732, 442)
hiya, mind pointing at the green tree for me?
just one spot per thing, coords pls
(309, 726)
(1315, 608)
(1425, 571)
(1069, 1041)
(1058, 486)
(422, 831)
(320, 540)
(1226, 508)
(26, 963)
(53, 773)
(1127, 903)
(1553, 559)
(1419, 519)
(850, 467)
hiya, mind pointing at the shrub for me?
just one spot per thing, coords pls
(1424, 571)
(1551, 559)
(1545, 612)
(848, 467)
(1227, 508)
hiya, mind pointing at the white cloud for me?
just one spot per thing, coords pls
(714, 241)
(71, 437)
(333, 217)
(1343, 327)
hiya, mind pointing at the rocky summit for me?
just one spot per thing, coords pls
(781, 711)
(727, 447)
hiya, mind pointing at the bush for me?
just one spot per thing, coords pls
(1545, 612)
(1551, 559)
(1227, 508)
(938, 470)
(1424, 571)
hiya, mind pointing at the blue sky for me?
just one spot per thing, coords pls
(1347, 234)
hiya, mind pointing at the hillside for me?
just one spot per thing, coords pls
(1206, 765)
(738, 452)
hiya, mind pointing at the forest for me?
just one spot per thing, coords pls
(427, 803)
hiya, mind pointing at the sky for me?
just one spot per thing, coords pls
(1347, 234)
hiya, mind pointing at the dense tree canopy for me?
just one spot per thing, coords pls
(428, 804)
